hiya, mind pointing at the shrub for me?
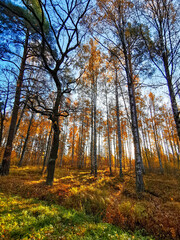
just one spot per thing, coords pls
(125, 208)
(140, 212)
(91, 200)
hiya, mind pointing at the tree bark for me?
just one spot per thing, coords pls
(3, 114)
(132, 102)
(95, 137)
(7, 153)
(55, 142)
(109, 142)
(118, 127)
(26, 141)
(53, 154)
(48, 147)
(73, 142)
(169, 83)
(21, 115)
(156, 140)
(62, 147)
(2, 118)
(92, 133)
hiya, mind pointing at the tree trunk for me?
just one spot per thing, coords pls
(95, 138)
(109, 143)
(7, 153)
(55, 142)
(53, 153)
(81, 143)
(171, 93)
(62, 147)
(3, 114)
(21, 115)
(137, 149)
(26, 141)
(1, 127)
(92, 134)
(48, 147)
(118, 127)
(146, 146)
(99, 146)
(73, 142)
(156, 141)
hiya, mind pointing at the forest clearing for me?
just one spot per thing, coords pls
(104, 199)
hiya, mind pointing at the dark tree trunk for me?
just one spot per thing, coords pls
(174, 106)
(26, 141)
(3, 114)
(53, 154)
(171, 89)
(21, 115)
(55, 142)
(48, 147)
(7, 153)
(1, 127)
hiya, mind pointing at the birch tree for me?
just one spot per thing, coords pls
(117, 14)
(163, 43)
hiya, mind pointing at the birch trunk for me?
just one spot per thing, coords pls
(109, 142)
(135, 132)
(73, 142)
(95, 137)
(171, 92)
(156, 141)
(92, 133)
(48, 147)
(118, 127)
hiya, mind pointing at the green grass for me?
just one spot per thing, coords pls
(33, 219)
(109, 199)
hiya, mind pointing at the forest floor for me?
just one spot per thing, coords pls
(79, 206)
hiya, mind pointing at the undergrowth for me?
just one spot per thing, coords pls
(111, 199)
(34, 220)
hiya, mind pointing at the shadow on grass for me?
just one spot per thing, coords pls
(39, 220)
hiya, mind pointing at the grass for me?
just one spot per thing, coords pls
(109, 199)
(33, 219)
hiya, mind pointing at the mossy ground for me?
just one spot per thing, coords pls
(34, 219)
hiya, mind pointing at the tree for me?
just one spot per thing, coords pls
(3, 105)
(115, 70)
(163, 42)
(21, 26)
(63, 20)
(154, 126)
(92, 71)
(117, 14)
(26, 141)
(8, 149)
